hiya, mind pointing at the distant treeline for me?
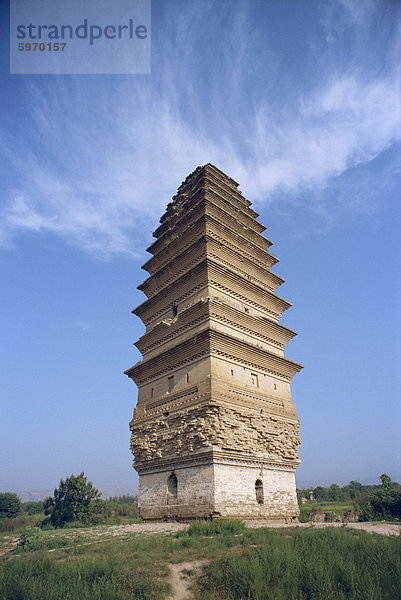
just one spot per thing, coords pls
(335, 493)
(76, 500)
(373, 502)
(126, 499)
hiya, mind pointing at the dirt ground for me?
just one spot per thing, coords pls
(181, 577)
(10, 541)
(375, 527)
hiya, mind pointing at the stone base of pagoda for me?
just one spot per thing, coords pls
(219, 484)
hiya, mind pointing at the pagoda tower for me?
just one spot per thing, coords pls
(215, 431)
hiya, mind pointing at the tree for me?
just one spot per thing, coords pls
(320, 493)
(10, 505)
(384, 501)
(353, 489)
(74, 500)
(33, 507)
(334, 492)
(387, 484)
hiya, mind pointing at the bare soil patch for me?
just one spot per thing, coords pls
(182, 576)
(382, 528)
(372, 527)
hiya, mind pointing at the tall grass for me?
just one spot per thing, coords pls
(213, 527)
(101, 571)
(308, 564)
(38, 577)
(256, 564)
(23, 520)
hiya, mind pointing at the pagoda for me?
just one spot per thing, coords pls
(215, 431)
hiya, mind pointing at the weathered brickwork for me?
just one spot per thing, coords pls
(215, 425)
(215, 431)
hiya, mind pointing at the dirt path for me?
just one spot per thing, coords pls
(182, 576)
(373, 527)
(382, 528)
(169, 527)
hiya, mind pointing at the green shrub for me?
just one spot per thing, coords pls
(31, 539)
(304, 516)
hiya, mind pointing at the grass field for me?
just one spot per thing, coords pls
(257, 564)
(329, 506)
(332, 509)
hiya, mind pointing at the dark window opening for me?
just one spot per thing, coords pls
(259, 491)
(166, 414)
(151, 393)
(172, 488)
(175, 310)
(187, 377)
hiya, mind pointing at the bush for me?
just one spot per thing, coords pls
(76, 499)
(304, 516)
(10, 505)
(31, 539)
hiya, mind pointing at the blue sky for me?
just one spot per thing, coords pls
(299, 101)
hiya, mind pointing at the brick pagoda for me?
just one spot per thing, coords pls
(215, 431)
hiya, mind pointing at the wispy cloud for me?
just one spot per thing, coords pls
(95, 161)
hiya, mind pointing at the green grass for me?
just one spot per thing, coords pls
(101, 570)
(307, 564)
(257, 564)
(213, 527)
(40, 577)
(334, 507)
